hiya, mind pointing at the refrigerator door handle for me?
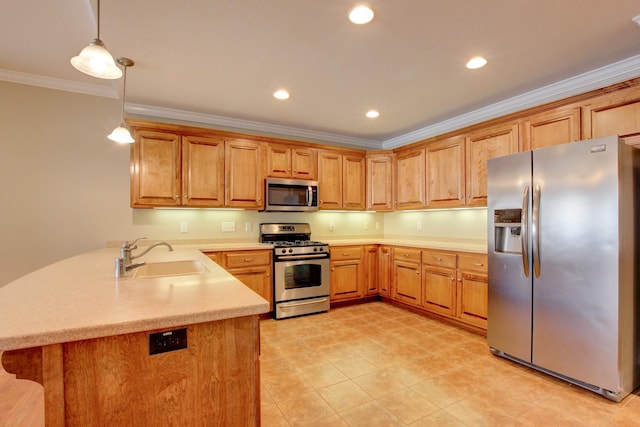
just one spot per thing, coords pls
(524, 239)
(535, 230)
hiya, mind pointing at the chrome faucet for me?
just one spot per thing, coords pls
(124, 264)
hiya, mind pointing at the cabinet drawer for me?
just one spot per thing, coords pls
(407, 254)
(339, 253)
(473, 262)
(246, 258)
(439, 259)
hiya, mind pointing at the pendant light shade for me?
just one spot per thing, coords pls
(121, 134)
(95, 60)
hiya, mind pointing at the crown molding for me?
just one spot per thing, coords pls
(58, 84)
(244, 125)
(601, 77)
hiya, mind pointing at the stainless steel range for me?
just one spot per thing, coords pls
(300, 269)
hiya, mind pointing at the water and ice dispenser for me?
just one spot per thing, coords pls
(507, 229)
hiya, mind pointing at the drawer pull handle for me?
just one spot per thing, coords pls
(478, 264)
(248, 259)
(439, 259)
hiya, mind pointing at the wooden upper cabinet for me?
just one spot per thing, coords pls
(553, 127)
(410, 179)
(481, 145)
(285, 161)
(329, 180)
(341, 181)
(446, 173)
(353, 182)
(244, 174)
(202, 171)
(155, 169)
(380, 182)
(614, 114)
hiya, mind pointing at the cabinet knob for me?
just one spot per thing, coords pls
(333, 268)
(459, 280)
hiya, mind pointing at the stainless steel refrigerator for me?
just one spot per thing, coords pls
(563, 256)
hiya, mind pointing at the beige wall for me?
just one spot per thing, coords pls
(65, 190)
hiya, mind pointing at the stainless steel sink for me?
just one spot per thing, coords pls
(170, 268)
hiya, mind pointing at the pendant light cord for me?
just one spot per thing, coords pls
(98, 19)
(124, 92)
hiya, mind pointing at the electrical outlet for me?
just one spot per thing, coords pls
(366, 225)
(332, 226)
(161, 342)
(377, 225)
(248, 227)
(184, 227)
(228, 226)
(419, 226)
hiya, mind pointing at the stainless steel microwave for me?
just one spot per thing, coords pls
(290, 195)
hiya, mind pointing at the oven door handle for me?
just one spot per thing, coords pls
(295, 304)
(301, 257)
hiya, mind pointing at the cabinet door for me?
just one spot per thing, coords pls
(473, 289)
(353, 182)
(258, 279)
(278, 161)
(480, 146)
(473, 298)
(380, 182)
(202, 171)
(439, 290)
(155, 167)
(371, 269)
(445, 173)
(410, 179)
(346, 279)
(406, 282)
(244, 174)
(553, 127)
(329, 180)
(384, 271)
(614, 114)
(304, 164)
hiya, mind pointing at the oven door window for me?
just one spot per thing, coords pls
(302, 276)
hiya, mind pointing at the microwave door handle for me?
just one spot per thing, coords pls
(309, 196)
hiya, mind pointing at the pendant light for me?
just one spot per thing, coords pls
(121, 134)
(95, 60)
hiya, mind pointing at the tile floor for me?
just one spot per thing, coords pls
(378, 365)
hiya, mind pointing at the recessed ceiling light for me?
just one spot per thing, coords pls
(281, 94)
(361, 15)
(372, 114)
(476, 62)
(636, 19)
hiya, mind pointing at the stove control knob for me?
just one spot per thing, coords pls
(284, 251)
(290, 250)
(315, 249)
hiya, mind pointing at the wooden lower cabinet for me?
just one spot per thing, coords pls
(347, 272)
(384, 270)
(406, 275)
(439, 282)
(252, 267)
(472, 289)
(371, 270)
(449, 284)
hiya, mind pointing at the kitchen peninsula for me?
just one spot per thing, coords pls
(90, 339)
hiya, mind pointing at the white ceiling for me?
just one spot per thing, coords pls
(219, 61)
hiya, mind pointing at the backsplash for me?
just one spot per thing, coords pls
(468, 224)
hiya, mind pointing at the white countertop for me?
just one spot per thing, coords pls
(80, 298)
